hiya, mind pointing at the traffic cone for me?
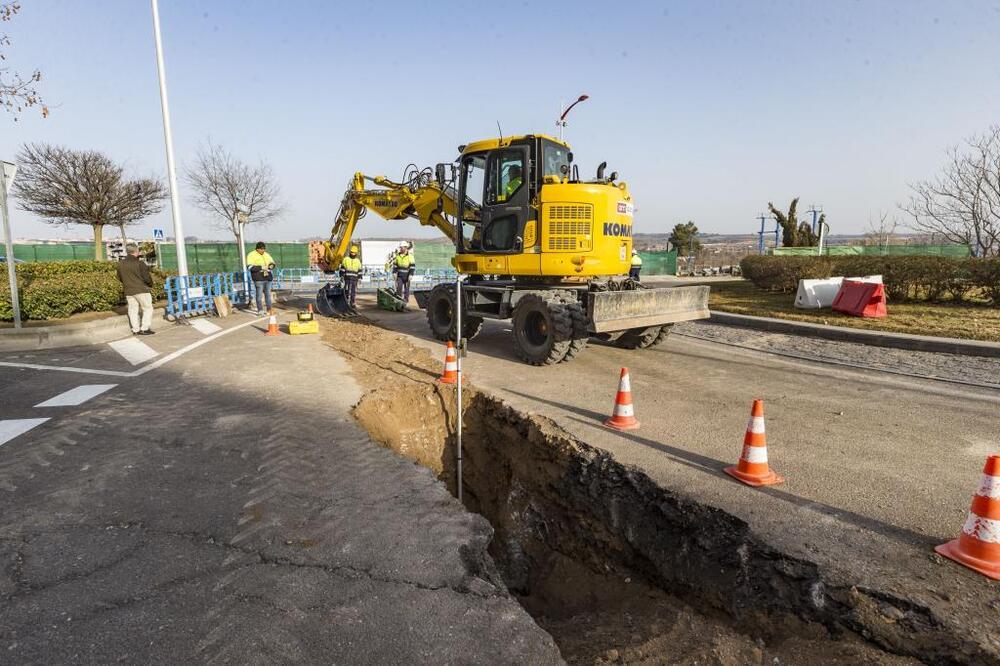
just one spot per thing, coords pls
(978, 546)
(623, 416)
(272, 324)
(752, 468)
(450, 375)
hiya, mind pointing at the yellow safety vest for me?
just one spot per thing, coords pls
(404, 261)
(255, 258)
(512, 186)
(351, 264)
(636, 260)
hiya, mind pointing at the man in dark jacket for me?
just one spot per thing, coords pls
(138, 287)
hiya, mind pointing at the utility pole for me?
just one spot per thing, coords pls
(240, 219)
(7, 173)
(175, 200)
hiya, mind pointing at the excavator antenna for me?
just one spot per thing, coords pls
(500, 131)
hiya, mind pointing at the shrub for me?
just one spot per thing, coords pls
(58, 289)
(985, 273)
(905, 277)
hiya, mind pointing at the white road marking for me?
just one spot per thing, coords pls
(194, 345)
(205, 327)
(11, 428)
(133, 350)
(65, 368)
(76, 396)
(135, 373)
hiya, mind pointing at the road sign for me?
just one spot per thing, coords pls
(157, 234)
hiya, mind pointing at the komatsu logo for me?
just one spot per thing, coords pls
(616, 229)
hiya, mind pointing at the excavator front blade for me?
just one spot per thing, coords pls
(331, 301)
(640, 308)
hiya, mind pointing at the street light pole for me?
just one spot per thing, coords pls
(561, 122)
(175, 201)
(7, 171)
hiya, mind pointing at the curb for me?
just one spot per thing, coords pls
(905, 341)
(32, 338)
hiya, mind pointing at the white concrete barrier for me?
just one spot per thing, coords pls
(814, 294)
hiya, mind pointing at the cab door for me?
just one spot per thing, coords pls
(506, 200)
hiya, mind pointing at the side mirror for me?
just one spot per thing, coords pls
(439, 174)
(569, 156)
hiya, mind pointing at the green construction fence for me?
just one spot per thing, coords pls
(958, 251)
(223, 257)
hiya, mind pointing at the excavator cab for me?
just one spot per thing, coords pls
(532, 216)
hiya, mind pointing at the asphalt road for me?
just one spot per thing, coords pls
(879, 468)
(221, 506)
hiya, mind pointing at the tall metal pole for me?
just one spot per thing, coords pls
(8, 241)
(175, 201)
(458, 359)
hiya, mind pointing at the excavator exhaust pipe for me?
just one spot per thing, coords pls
(331, 301)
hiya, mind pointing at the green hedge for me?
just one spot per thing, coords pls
(58, 289)
(905, 278)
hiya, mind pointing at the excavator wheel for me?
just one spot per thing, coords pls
(579, 318)
(543, 328)
(441, 315)
(643, 338)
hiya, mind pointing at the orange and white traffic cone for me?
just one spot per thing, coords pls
(623, 416)
(752, 468)
(978, 546)
(272, 324)
(450, 375)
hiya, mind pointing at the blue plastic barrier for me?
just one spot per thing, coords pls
(192, 295)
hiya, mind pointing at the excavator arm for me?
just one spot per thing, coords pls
(420, 197)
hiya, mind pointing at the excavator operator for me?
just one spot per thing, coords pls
(514, 174)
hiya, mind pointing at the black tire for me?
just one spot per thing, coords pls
(441, 315)
(543, 328)
(643, 338)
(579, 318)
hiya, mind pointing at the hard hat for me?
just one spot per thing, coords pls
(635, 251)
(354, 248)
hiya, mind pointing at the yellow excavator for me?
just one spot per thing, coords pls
(540, 247)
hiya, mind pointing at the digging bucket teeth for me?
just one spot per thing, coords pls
(331, 301)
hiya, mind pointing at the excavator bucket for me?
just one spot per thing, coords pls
(331, 301)
(619, 310)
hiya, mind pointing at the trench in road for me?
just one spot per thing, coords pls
(610, 563)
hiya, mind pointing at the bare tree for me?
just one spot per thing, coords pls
(83, 187)
(963, 203)
(793, 232)
(881, 233)
(17, 91)
(225, 185)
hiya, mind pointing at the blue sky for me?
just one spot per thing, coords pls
(707, 109)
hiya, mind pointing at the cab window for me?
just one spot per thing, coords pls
(554, 157)
(506, 175)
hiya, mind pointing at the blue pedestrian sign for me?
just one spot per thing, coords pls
(157, 234)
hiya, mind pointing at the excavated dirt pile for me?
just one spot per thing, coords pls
(615, 567)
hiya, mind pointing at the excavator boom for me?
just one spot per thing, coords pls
(420, 197)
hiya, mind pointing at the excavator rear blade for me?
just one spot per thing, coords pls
(619, 310)
(331, 301)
